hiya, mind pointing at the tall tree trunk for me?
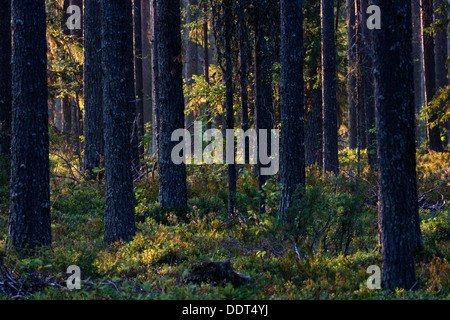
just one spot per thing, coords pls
(418, 64)
(191, 66)
(119, 208)
(155, 77)
(132, 101)
(351, 46)
(138, 74)
(29, 222)
(398, 206)
(440, 56)
(263, 84)
(369, 89)
(206, 60)
(243, 74)
(94, 143)
(172, 177)
(147, 73)
(313, 92)
(292, 153)
(360, 82)
(433, 132)
(330, 129)
(229, 120)
(5, 77)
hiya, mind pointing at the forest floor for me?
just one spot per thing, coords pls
(324, 255)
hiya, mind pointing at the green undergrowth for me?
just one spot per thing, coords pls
(323, 254)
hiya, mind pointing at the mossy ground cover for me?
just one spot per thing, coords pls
(323, 254)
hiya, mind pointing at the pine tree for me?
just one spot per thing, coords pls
(29, 223)
(119, 208)
(398, 207)
(292, 153)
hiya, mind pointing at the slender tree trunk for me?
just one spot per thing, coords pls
(263, 85)
(351, 47)
(5, 77)
(147, 73)
(191, 54)
(369, 89)
(440, 57)
(172, 177)
(243, 74)
(132, 101)
(94, 143)
(313, 92)
(433, 132)
(292, 162)
(360, 82)
(155, 77)
(138, 74)
(29, 222)
(418, 64)
(229, 120)
(398, 206)
(119, 215)
(206, 60)
(330, 129)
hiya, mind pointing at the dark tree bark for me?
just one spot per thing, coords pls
(29, 222)
(440, 58)
(351, 46)
(138, 74)
(313, 91)
(191, 53)
(369, 89)
(206, 59)
(229, 119)
(263, 83)
(433, 132)
(418, 65)
(132, 101)
(155, 79)
(147, 73)
(94, 143)
(243, 72)
(360, 83)
(119, 215)
(292, 153)
(5, 77)
(398, 206)
(330, 129)
(172, 177)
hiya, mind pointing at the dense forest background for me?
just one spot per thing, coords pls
(91, 92)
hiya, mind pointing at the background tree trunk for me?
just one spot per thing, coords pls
(229, 119)
(172, 177)
(147, 73)
(351, 47)
(398, 207)
(330, 129)
(263, 84)
(5, 77)
(292, 153)
(119, 208)
(138, 74)
(29, 222)
(191, 53)
(94, 143)
(369, 89)
(433, 133)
